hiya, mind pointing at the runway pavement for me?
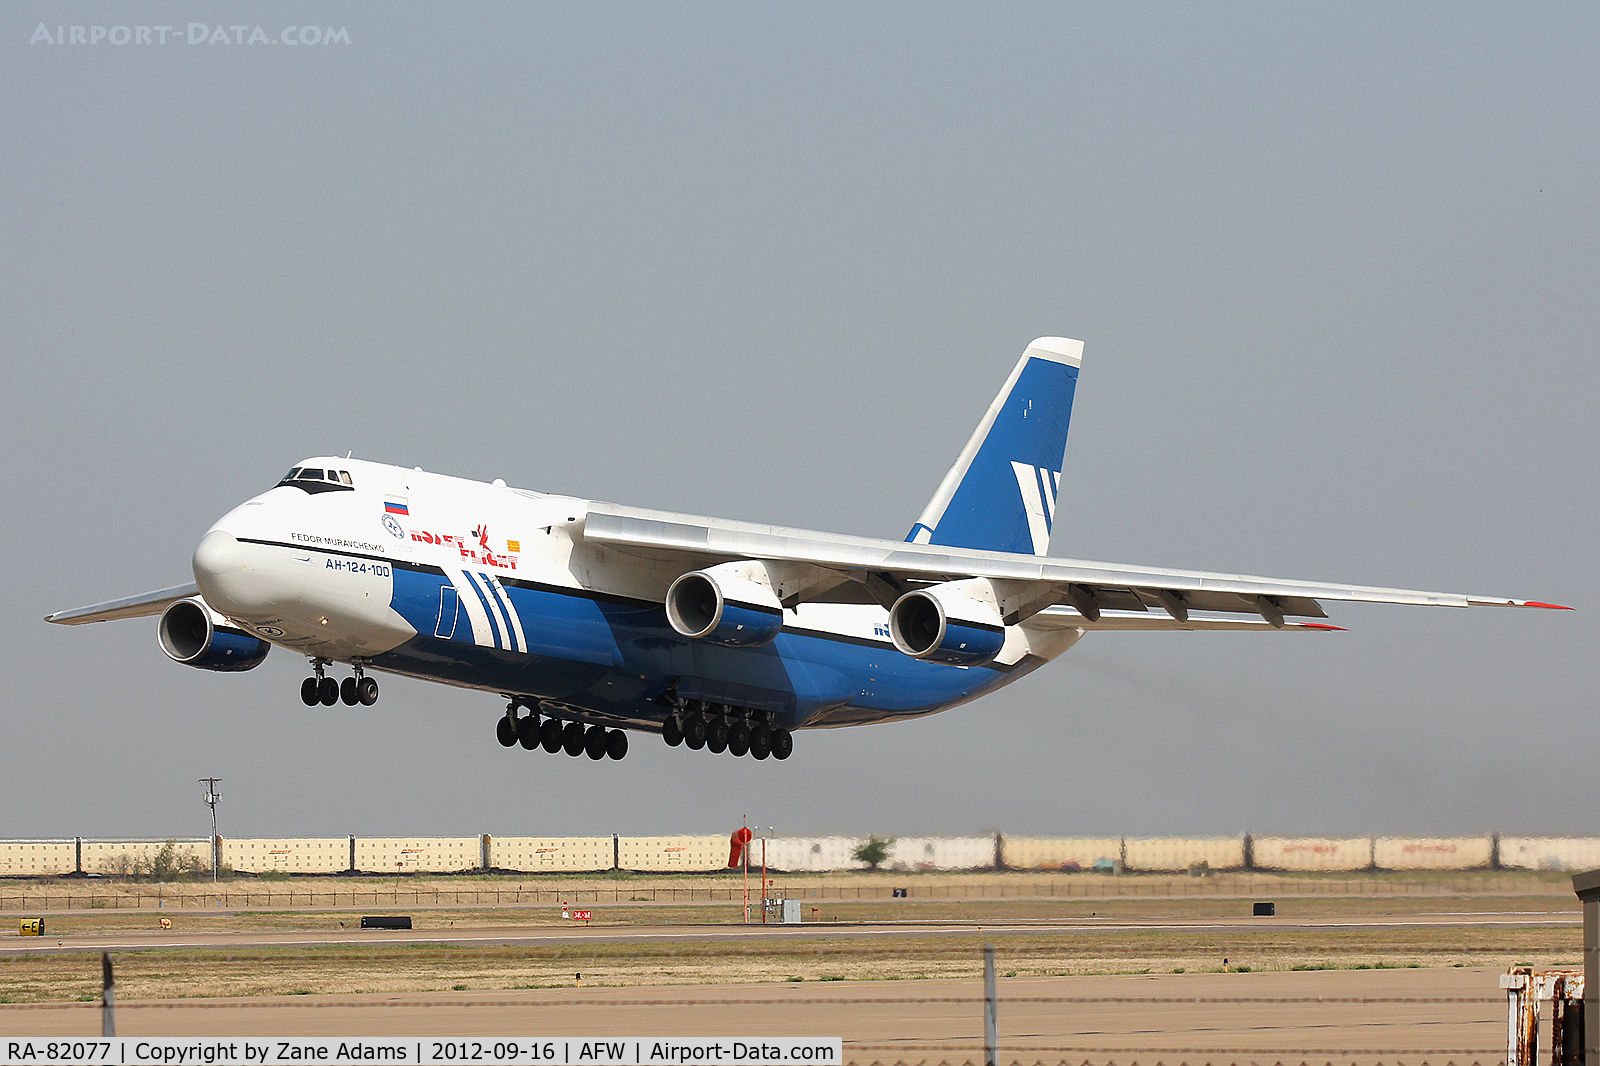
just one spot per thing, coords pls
(626, 934)
(1327, 1016)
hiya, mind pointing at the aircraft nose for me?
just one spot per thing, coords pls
(221, 571)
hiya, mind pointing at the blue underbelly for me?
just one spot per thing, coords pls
(614, 657)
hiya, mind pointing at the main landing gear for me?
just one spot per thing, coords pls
(554, 734)
(719, 728)
(320, 688)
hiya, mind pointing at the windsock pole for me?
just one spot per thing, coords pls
(745, 858)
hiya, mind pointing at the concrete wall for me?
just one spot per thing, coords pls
(1432, 853)
(304, 855)
(1058, 853)
(941, 853)
(108, 856)
(38, 858)
(1178, 853)
(809, 854)
(1311, 853)
(391, 855)
(537, 854)
(1550, 853)
(668, 854)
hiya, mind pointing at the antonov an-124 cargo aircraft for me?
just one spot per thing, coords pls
(592, 619)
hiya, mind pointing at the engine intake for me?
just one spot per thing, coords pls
(725, 604)
(942, 625)
(193, 634)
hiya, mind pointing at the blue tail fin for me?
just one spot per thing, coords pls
(1001, 493)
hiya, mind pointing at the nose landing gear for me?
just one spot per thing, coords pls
(320, 688)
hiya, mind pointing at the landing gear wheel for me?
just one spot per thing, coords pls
(738, 739)
(505, 732)
(347, 692)
(616, 744)
(367, 691)
(529, 732)
(328, 691)
(717, 736)
(572, 738)
(552, 735)
(782, 743)
(694, 732)
(309, 692)
(671, 732)
(761, 742)
(594, 742)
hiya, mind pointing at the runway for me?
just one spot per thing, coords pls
(158, 940)
(1427, 1013)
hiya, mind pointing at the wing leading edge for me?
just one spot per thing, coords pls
(881, 570)
(128, 607)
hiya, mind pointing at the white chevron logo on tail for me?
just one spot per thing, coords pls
(1039, 486)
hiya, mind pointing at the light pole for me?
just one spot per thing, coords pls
(212, 796)
(765, 832)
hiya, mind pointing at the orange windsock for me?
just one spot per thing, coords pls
(736, 842)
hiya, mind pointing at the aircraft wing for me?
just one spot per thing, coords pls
(881, 570)
(128, 607)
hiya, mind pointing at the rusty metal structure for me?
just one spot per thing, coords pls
(1563, 990)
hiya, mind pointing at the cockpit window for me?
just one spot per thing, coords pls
(315, 479)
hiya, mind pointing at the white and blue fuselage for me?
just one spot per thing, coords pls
(495, 588)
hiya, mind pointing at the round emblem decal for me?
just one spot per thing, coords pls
(392, 524)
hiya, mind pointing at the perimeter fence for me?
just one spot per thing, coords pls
(140, 897)
(1296, 1018)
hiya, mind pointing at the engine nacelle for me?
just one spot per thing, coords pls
(955, 623)
(731, 604)
(193, 634)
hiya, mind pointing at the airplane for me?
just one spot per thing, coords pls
(599, 619)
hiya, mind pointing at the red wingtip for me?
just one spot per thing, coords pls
(1319, 625)
(1548, 606)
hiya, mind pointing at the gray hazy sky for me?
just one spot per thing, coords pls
(1335, 267)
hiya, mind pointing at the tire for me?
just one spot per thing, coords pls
(328, 691)
(347, 692)
(552, 735)
(530, 732)
(616, 744)
(505, 732)
(717, 736)
(572, 738)
(367, 691)
(308, 692)
(694, 732)
(738, 739)
(671, 733)
(594, 742)
(782, 743)
(761, 742)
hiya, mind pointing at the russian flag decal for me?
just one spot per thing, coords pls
(396, 507)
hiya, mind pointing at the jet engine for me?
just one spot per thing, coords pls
(955, 623)
(193, 634)
(731, 604)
